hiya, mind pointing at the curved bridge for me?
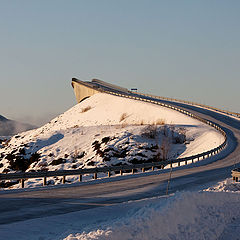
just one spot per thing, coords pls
(97, 193)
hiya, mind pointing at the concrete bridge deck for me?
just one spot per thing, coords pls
(85, 89)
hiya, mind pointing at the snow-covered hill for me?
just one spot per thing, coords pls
(9, 127)
(107, 130)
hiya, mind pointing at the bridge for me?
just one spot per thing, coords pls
(85, 89)
(70, 198)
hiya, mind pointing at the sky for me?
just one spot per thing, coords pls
(183, 49)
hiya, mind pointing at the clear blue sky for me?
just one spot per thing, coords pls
(184, 49)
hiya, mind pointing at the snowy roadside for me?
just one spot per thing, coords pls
(210, 214)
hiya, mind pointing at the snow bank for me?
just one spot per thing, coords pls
(227, 185)
(189, 215)
(181, 216)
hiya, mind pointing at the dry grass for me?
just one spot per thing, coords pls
(123, 125)
(75, 154)
(123, 117)
(160, 122)
(165, 147)
(86, 109)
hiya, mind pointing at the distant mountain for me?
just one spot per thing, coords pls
(9, 127)
(3, 119)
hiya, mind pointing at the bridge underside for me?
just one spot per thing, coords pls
(82, 91)
(85, 89)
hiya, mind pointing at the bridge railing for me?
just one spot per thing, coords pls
(22, 176)
(191, 103)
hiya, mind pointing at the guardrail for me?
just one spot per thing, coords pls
(190, 103)
(108, 170)
(22, 176)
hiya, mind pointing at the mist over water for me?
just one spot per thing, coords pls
(10, 127)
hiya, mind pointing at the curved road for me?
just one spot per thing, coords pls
(25, 204)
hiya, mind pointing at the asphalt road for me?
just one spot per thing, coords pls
(29, 204)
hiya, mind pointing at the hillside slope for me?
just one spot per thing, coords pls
(107, 130)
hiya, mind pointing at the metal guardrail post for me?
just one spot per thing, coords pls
(44, 181)
(22, 183)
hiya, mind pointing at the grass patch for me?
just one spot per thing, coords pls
(123, 117)
(160, 122)
(86, 109)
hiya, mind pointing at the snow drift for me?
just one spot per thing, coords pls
(187, 215)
